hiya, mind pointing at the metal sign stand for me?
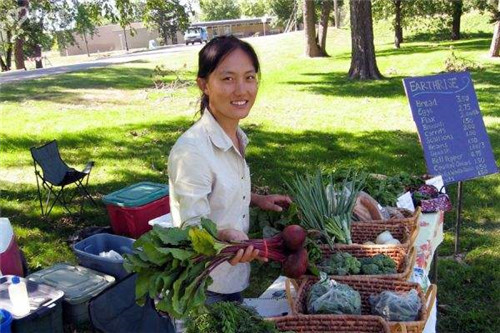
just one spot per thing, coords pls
(459, 218)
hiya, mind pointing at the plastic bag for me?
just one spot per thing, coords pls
(329, 297)
(112, 254)
(396, 306)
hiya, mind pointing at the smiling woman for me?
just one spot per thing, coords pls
(208, 173)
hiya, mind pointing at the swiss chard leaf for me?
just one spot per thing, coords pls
(153, 255)
(142, 284)
(172, 236)
(178, 302)
(209, 226)
(203, 242)
(177, 253)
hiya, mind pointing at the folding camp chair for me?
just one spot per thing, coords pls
(57, 174)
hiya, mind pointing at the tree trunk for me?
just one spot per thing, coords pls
(18, 44)
(495, 42)
(457, 14)
(398, 28)
(312, 48)
(38, 56)
(125, 35)
(19, 53)
(86, 43)
(363, 62)
(8, 57)
(3, 65)
(336, 9)
(325, 13)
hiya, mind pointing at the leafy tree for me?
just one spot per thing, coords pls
(167, 17)
(9, 28)
(125, 17)
(213, 10)
(87, 19)
(254, 8)
(287, 12)
(363, 62)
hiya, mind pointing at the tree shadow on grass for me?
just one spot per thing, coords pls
(68, 87)
(338, 84)
(445, 36)
(272, 156)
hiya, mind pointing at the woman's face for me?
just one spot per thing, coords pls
(231, 87)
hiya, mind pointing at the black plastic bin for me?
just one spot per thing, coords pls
(88, 251)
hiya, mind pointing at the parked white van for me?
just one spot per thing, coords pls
(196, 34)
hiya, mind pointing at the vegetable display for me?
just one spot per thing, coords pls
(343, 263)
(396, 306)
(228, 317)
(340, 263)
(329, 297)
(174, 264)
(378, 264)
(326, 208)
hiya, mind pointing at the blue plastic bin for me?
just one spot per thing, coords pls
(5, 321)
(88, 251)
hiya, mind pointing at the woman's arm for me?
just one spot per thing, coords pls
(274, 202)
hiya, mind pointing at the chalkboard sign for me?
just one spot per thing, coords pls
(450, 126)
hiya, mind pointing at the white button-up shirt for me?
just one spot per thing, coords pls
(208, 177)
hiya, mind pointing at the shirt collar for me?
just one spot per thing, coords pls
(217, 135)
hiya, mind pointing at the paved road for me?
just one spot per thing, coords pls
(14, 76)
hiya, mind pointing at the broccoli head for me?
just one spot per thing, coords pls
(341, 263)
(370, 269)
(384, 264)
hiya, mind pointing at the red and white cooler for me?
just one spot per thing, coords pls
(10, 256)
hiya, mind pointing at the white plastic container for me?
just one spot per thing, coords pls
(18, 295)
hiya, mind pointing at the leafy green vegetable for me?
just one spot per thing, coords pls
(341, 263)
(327, 209)
(174, 264)
(378, 264)
(227, 317)
(329, 297)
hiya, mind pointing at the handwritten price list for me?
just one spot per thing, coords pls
(450, 126)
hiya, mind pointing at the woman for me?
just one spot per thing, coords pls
(208, 174)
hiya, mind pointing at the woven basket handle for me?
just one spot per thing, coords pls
(414, 234)
(288, 290)
(401, 328)
(413, 257)
(430, 298)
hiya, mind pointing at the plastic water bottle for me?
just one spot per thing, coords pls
(19, 297)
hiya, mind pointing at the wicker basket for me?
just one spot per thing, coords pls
(405, 260)
(369, 286)
(331, 323)
(404, 230)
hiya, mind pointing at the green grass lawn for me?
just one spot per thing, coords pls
(307, 114)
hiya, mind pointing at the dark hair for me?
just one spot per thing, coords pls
(214, 52)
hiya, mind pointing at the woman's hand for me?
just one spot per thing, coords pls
(274, 202)
(241, 256)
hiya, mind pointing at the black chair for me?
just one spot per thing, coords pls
(56, 175)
